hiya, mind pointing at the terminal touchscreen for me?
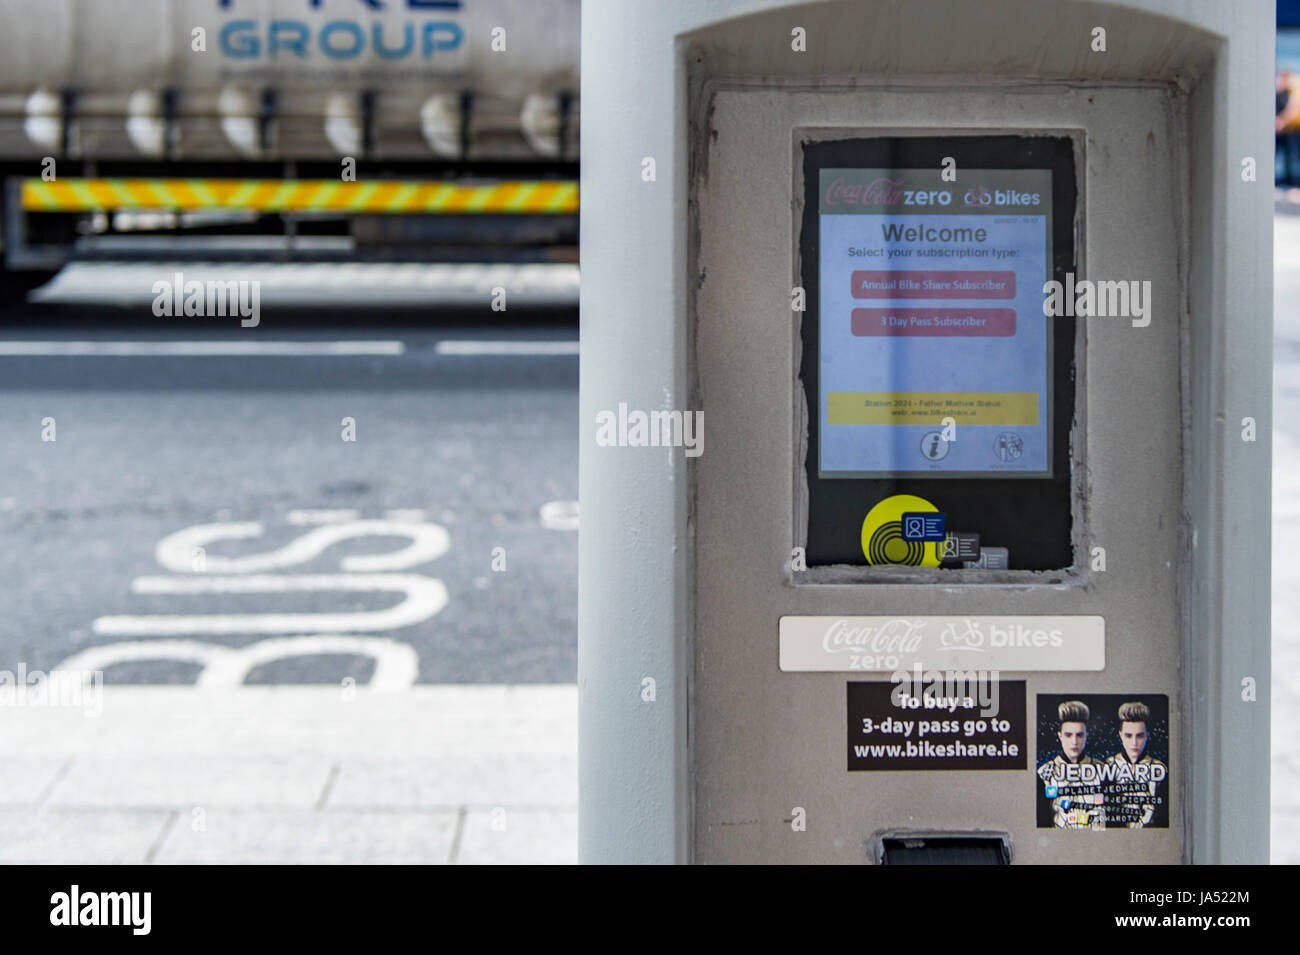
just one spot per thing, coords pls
(930, 370)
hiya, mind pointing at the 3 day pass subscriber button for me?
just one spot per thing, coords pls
(934, 322)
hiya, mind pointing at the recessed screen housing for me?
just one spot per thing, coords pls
(928, 365)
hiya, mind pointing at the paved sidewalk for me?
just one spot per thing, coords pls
(432, 774)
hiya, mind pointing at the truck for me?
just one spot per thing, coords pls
(428, 130)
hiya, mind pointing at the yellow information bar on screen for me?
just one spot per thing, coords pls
(931, 407)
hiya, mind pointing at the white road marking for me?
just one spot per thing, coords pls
(507, 348)
(425, 596)
(559, 515)
(321, 515)
(396, 664)
(198, 349)
(428, 542)
(546, 284)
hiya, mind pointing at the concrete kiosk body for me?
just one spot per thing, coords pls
(829, 228)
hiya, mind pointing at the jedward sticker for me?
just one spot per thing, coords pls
(1109, 751)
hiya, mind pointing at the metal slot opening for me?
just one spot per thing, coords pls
(944, 849)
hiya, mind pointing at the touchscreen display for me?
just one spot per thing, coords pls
(934, 355)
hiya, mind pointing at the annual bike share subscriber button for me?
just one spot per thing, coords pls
(933, 283)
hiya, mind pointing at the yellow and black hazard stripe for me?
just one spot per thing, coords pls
(300, 195)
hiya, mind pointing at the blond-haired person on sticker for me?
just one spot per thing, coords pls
(1073, 774)
(1137, 771)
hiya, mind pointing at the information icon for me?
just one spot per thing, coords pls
(934, 447)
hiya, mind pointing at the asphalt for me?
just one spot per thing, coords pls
(147, 446)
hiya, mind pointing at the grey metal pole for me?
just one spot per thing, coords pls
(634, 544)
(1227, 607)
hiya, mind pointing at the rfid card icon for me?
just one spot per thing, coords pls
(961, 546)
(924, 527)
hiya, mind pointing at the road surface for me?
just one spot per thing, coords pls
(195, 487)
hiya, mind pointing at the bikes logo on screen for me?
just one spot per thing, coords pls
(981, 197)
(1103, 761)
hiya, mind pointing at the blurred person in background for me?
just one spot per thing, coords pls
(1287, 128)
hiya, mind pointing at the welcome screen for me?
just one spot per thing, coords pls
(934, 348)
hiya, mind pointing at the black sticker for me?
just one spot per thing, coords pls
(947, 722)
(1103, 761)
